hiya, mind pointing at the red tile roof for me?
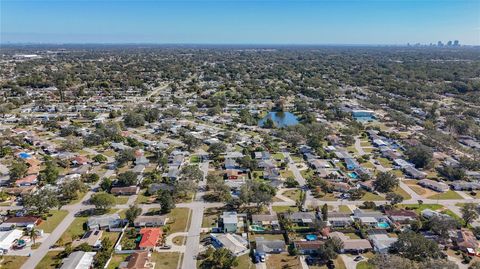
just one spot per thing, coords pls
(150, 237)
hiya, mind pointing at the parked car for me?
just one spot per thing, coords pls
(166, 247)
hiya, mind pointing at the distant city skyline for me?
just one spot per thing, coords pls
(369, 22)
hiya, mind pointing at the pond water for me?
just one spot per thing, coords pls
(280, 119)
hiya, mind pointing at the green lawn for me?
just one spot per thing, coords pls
(292, 194)
(50, 261)
(194, 159)
(365, 265)
(344, 209)
(166, 260)
(419, 208)
(372, 197)
(403, 193)
(116, 260)
(75, 230)
(296, 158)
(121, 200)
(12, 262)
(113, 236)
(448, 195)
(282, 209)
(278, 156)
(54, 218)
(245, 262)
(384, 162)
(307, 173)
(286, 173)
(177, 219)
(210, 218)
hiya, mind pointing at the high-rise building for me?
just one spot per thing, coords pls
(449, 43)
(456, 43)
(440, 44)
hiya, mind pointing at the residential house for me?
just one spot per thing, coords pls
(269, 222)
(352, 245)
(230, 222)
(150, 221)
(91, 238)
(105, 222)
(302, 218)
(414, 172)
(465, 186)
(80, 160)
(131, 190)
(27, 180)
(339, 220)
(434, 185)
(466, 240)
(351, 164)
(264, 246)
(428, 213)
(23, 222)
(78, 260)
(308, 247)
(235, 243)
(138, 260)
(401, 216)
(371, 219)
(150, 237)
(381, 242)
(367, 185)
(8, 239)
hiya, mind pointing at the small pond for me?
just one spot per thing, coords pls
(280, 119)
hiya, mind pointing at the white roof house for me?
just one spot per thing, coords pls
(78, 260)
(8, 238)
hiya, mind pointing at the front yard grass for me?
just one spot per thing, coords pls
(368, 196)
(121, 200)
(210, 218)
(178, 218)
(12, 262)
(75, 230)
(292, 194)
(283, 261)
(448, 195)
(52, 221)
(166, 260)
(419, 208)
(402, 193)
(344, 209)
(283, 209)
(50, 261)
(244, 262)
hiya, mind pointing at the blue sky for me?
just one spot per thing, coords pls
(241, 22)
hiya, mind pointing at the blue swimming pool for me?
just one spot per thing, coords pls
(383, 225)
(311, 237)
(24, 155)
(353, 175)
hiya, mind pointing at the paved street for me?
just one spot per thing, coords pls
(198, 206)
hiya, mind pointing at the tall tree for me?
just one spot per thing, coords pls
(385, 182)
(469, 213)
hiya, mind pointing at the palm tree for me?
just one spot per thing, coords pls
(32, 234)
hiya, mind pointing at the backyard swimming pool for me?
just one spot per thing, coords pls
(353, 175)
(24, 155)
(383, 225)
(311, 237)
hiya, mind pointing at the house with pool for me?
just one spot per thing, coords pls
(374, 220)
